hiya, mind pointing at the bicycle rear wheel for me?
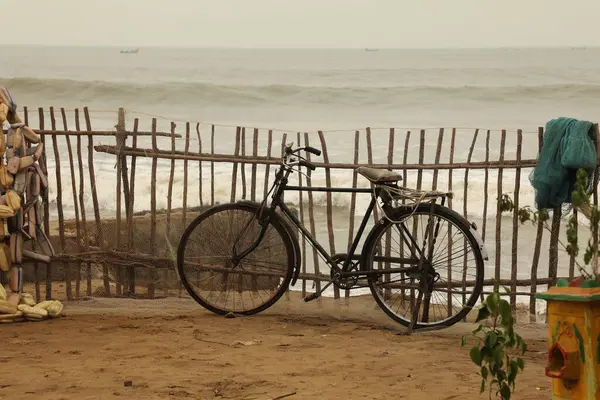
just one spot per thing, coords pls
(206, 266)
(453, 281)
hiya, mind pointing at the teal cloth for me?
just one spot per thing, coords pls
(567, 146)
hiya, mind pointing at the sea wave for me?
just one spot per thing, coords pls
(260, 95)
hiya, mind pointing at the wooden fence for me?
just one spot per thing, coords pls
(113, 243)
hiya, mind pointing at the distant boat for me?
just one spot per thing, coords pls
(131, 51)
(371, 49)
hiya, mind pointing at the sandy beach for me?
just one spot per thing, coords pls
(171, 348)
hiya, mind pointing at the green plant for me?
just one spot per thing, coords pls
(495, 346)
(580, 199)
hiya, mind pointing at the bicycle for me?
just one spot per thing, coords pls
(247, 248)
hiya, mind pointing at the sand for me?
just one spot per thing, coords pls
(172, 349)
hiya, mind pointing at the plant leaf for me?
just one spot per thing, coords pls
(484, 372)
(476, 355)
(492, 302)
(491, 338)
(463, 341)
(505, 392)
(482, 388)
(505, 313)
(521, 363)
(484, 313)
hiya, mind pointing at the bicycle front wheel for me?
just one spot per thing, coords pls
(452, 280)
(210, 273)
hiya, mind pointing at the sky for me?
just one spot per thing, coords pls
(303, 23)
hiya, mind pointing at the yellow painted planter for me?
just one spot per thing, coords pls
(574, 340)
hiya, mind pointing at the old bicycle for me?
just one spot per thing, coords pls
(241, 257)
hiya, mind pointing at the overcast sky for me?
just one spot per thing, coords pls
(302, 23)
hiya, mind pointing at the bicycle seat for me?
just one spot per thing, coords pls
(377, 175)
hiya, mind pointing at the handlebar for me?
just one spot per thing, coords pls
(308, 165)
(312, 150)
(301, 161)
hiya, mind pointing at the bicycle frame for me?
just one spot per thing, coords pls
(277, 201)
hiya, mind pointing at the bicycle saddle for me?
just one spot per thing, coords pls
(377, 175)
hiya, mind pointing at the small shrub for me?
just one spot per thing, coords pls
(495, 346)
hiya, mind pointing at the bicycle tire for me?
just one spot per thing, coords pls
(279, 227)
(449, 215)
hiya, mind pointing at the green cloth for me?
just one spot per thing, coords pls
(567, 146)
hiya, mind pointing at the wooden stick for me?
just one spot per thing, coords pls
(223, 158)
(336, 290)
(370, 162)
(405, 161)
(235, 164)
(80, 197)
(120, 144)
(59, 205)
(450, 176)
(99, 231)
(353, 196)
(212, 166)
(301, 207)
(43, 164)
(515, 240)
(151, 285)
(438, 153)
(243, 165)
(485, 185)
(185, 176)
(465, 211)
(121, 140)
(311, 215)
(130, 224)
(75, 204)
(267, 167)
(199, 165)
(53, 132)
(553, 248)
(421, 159)
(170, 187)
(499, 212)
(536, 248)
(255, 154)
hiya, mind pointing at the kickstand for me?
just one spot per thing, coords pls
(415, 313)
(315, 295)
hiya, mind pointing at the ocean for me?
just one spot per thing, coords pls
(336, 91)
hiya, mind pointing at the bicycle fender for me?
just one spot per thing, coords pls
(293, 238)
(477, 236)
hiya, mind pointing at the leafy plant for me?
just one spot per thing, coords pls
(495, 346)
(580, 199)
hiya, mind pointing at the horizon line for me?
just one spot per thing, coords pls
(298, 48)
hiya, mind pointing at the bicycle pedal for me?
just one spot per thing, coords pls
(311, 297)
